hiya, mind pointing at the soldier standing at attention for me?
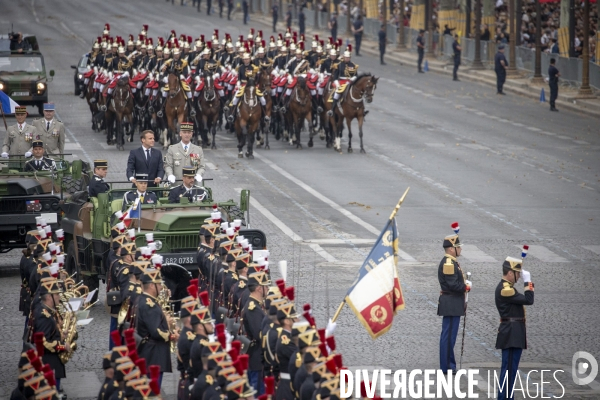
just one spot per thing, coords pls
(51, 131)
(180, 154)
(457, 50)
(97, 184)
(512, 336)
(451, 304)
(553, 75)
(39, 162)
(500, 65)
(421, 49)
(19, 137)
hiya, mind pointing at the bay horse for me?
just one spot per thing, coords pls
(210, 106)
(89, 94)
(249, 114)
(175, 110)
(121, 108)
(300, 109)
(352, 106)
(264, 85)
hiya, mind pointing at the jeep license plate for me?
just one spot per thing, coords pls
(20, 94)
(180, 260)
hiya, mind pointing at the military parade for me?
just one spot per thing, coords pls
(154, 274)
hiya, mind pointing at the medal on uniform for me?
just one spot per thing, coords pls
(28, 136)
(194, 158)
(55, 132)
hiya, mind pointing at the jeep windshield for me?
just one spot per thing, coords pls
(20, 64)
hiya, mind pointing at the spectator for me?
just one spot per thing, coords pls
(357, 29)
(288, 18)
(448, 30)
(301, 21)
(245, 9)
(333, 26)
(554, 49)
(382, 43)
(275, 12)
(485, 36)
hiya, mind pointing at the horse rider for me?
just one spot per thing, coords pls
(245, 72)
(179, 68)
(295, 67)
(272, 48)
(260, 57)
(229, 55)
(121, 66)
(344, 73)
(91, 62)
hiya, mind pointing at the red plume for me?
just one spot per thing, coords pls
(37, 364)
(331, 343)
(289, 293)
(316, 38)
(236, 344)
(128, 333)
(38, 339)
(192, 291)
(202, 40)
(222, 339)
(155, 387)
(189, 39)
(107, 26)
(263, 397)
(50, 378)
(134, 356)
(154, 372)
(338, 360)
(145, 28)
(194, 282)
(131, 346)
(323, 349)
(209, 45)
(238, 367)
(321, 335)
(306, 307)
(243, 360)
(46, 368)
(116, 337)
(233, 353)
(31, 354)
(331, 366)
(281, 285)
(219, 329)
(141, 364)
(269, 385)
(204, 298)
(216, 33)
(309, 318)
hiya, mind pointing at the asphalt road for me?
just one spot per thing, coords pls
(505, 167)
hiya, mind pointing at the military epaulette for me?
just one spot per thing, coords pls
(46, 314)
(279, 330)
(298, 360)
(507, 290)
(234, 275)
(285, 340)
(204, 342)
(251, 306)
(448, 268)
(190, 336)
(242, 284)
(150, 302)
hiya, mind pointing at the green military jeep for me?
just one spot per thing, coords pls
(26, 195)
(23, 73)
(87, 224)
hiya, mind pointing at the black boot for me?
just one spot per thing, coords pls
(104, 107)
(316, 106)
(190, 103)
(83, 91)
(333, 107)
(94, 98)
(283, 103)
(161, 106)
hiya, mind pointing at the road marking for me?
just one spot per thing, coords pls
(72, 146)
(544, 254)
(286, 229)
(435, 144)
(340, 241)
(34, 12)
(475, 146)
(80, 384)
(211, 166)
(473, 254)
(593, 248)
(85, 154)
(331, 203)
(580, 141)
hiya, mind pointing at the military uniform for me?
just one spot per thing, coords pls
(191, 193)
(146, 198)
(512, 334)
(178, 157)
(184, 347)
(451, 303)
(52, 132)
(97, 184)
(19, 137)
(285, 349)
(42, 164)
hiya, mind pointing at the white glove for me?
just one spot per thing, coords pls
(469, 285)
(132, 179)
(4, 155)
(330, 328)
(526, 276)
(199, 178)
(27, 154)
(171, 178)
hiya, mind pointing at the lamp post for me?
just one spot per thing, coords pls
(512, 62)
(585, 90)
(400, 44)
(477, 64)
(537, 73)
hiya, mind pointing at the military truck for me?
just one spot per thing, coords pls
(26, 195)
(23, 73)
(87, 223)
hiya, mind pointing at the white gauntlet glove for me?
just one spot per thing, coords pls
(330, 328)
(27, 154)
(526, 276)
(199, 178)
(171, 178)
(5, 155)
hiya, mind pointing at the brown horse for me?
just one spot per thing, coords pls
(264, 85)
(120, 111)
(210, 108)
(352, 106)
(175, 110)
(89, 94)
(249, 114)
(300, 109)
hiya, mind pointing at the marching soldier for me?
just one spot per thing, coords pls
(19, 136)
(184, 153)
(271, 334)
(451, 303)
(152, 326)
(285, 349)
(141, 183)
(205, 255)
(187, 189)
(239, 292)
(512, 335)
(202, 324)
(252, 317)
(48, 321)
(346, 71)
(51, 131)
(97, 184)
(39, 162)
(184, 344)
(118, 277)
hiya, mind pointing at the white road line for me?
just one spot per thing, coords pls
(544, 254)
(593, 248)
(86, 155)
(72, 146)
(211, 166)
(34, 12)
(331, 203)
(287, 230)
(473, 254)
(340, 241)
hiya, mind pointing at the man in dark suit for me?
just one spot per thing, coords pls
(146, 160)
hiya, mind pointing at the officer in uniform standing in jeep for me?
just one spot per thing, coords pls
(97, 184)
(39, 162)
(51, 131)
(451, 303)
(19, 136)
(141, 183)
(187, 189)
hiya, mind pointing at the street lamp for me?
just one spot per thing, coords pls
(400, 44)
(537, 74)
(585, 90)
(512, 63)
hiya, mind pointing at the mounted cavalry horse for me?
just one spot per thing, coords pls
(351, 106)
(248, 116)
(209, 105)
(300, 109)
(175, 109)
(119, 113)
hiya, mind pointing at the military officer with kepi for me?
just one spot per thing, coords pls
(19, 137)
(39, 162)
(51, 130)
(187, 189)
(141, 184)
(451, 303)
(97, 184)
(184, 153)
(512, 337)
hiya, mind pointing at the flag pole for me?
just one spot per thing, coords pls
(3, 117)
(394, 212)
(399, 203)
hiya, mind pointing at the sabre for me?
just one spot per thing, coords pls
(462, 346)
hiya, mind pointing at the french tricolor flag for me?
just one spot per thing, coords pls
(8, 104)
(376, 295)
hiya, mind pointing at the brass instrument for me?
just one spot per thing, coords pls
(123, 311)
(133, 54)
(163, 299)
(69, 333)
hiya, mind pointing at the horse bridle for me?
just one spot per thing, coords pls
(363, 93)
(177, 92)
(214, 92)
(122, 102)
